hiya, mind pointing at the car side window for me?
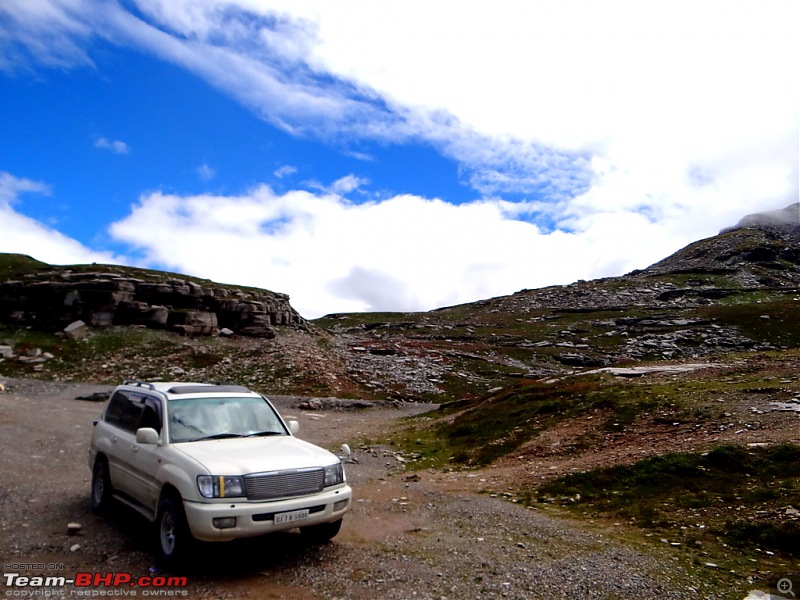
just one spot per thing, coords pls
(151, 415)
(115, 408)
(125, 410)
(132, 413)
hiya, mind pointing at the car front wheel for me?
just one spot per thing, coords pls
(172, 532)
(102, 491)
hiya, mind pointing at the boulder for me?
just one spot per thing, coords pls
(76, 330)
(193, 322)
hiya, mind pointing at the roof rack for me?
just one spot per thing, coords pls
(138, 383)
(203, 388)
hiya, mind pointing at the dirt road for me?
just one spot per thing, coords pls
(425, 535)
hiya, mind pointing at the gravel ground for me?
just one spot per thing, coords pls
(407, 536)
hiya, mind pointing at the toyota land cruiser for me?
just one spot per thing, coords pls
(213, 463)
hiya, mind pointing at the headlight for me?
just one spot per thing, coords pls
(220, 486)
(334, 474)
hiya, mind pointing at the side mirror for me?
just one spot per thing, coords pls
(294, 427)
(345, 452)
(146, 435)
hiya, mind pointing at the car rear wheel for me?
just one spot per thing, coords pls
(172, 532)
(319, 534)
(102, 491)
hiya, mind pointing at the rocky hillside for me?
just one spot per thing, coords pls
(51, 298)
(735, 292)
(759, 252)
(738, 291)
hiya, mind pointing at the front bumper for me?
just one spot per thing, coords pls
(257, 518)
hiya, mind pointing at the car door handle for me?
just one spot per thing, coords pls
(135, 448)
(113, 439)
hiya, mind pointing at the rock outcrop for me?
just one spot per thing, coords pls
(55, 298)
(754, 255)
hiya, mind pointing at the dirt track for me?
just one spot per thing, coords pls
(420, 536)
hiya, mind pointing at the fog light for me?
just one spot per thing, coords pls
(224, 522)
(340, 505)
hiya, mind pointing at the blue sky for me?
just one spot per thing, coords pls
(390, 156)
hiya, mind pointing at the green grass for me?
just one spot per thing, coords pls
(12, 265)
(135, 351)
(350, 320)
(771, 319)
(478, 431)
(739, 494)
(15, 265)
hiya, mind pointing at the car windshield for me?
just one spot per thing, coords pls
(193, 419)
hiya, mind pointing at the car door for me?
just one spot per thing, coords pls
(145, 459)
(116, 435)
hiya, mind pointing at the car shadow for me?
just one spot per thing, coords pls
(277, 551)
(207, 560)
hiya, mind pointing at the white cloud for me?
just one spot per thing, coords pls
(115, 146)
(403, 253)
(341, 187)
(524, 95)
(284, 171)
(205, 173)
(348, 183)
(51, 32)
(11, 187)
(21, 234)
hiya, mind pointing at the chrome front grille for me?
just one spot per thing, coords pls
(283, 484)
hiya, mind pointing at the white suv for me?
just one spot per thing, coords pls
(213, 463)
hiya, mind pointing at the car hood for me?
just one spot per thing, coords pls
(240, 456)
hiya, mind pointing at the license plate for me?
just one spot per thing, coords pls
(291, 517)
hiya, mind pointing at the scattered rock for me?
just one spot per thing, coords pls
(76, 330)
(332, 403)
(94, 397)
(785, 407)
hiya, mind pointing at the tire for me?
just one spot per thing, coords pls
(102, 491)
(324, 532)
(173, 538)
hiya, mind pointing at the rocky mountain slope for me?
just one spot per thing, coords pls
(738, 291)
(734, 292)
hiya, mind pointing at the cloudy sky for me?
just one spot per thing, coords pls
(367, 155)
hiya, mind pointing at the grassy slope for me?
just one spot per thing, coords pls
(727, 504)
(12, 265)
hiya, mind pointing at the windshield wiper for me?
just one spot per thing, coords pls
(263, 433)
(219, 436)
